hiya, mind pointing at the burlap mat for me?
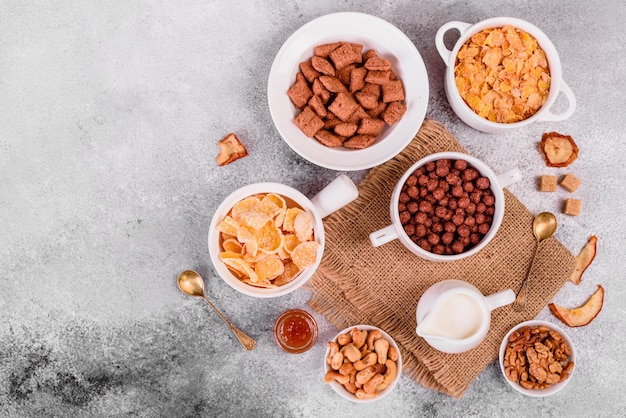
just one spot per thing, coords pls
(359, 284)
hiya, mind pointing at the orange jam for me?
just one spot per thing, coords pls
(295, 331)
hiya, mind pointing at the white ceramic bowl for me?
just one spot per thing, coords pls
(464, 112)
(532, 392)
(335, 195)
(373, 33)
(349, 396)
(396, 230)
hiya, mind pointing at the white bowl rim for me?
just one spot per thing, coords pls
(341, 390)
(552, 389)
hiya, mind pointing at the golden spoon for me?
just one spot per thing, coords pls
(192, 284)
(544, 226)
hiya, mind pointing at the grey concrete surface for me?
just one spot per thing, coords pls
(110, 113)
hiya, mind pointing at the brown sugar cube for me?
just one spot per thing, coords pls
(345, 74)
(346, 129)
(377, 77)
(370, 126)
(547, 184)
(572, 207)
(308, 122)
(392, 91)
(308, 71)
(367, 100)
(376, 112)
(343, 106)
(322, 65)
(358, 114)
(328, 138)
(332, 84)
(372, 88)
(320, 91)
(369, 54)
(570, 182)
(359, 141)
(316, 104)
(357, 79)
(393, 113)
(346, 54)
(325, 49)
(377, 63)
(299, 92)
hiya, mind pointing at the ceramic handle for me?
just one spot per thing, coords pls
(441, 47)
(551, 117)
(505, 297)
(509, 177)
(336, 195)
(383, 236)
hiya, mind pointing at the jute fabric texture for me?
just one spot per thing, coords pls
(357, 283)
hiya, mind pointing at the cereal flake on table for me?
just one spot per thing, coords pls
(346, 95)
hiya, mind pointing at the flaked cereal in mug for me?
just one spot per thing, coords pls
(503, 74)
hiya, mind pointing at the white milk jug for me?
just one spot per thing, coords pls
(453, 316)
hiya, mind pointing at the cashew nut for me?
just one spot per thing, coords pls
(392, 353)
(351, 352)
(333, 375)
(392, 370)
(365, 375)
(370, 385)
(381, 346)
(361, 394)
(344, 339)
(358, 337)
(334, 348)
(347, 368)
(373, 336)
(336, 361)
(368, 360)
(350, 387)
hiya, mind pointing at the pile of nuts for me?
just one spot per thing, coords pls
(537, 357)
(363, 362)
(446, 206)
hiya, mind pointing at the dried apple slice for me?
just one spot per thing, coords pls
(582, 315)
(231, 149)
(584, 259)
(559, 150)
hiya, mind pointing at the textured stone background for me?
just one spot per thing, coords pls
(109, 117)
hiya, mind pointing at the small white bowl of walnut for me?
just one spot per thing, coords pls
(537, 358)
(362, 363)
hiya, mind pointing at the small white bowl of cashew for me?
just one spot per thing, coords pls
(362, 363)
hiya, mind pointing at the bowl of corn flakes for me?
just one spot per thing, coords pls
(503, 73)
(267, 239)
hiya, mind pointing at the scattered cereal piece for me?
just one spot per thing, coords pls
(570, 182)
(572, 207)
(547, 184)
(231, 149)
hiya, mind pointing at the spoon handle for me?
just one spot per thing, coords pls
(247, 342)
(520, 301)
